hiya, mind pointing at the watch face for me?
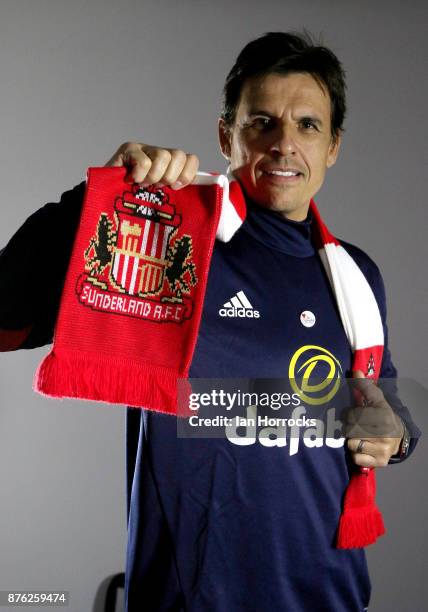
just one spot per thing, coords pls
(404, 447)
(405, 443)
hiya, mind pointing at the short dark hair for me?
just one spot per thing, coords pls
(284, 53)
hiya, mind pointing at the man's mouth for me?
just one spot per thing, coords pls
(284, 172)
(288, 173)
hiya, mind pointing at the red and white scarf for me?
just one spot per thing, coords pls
(133, 297)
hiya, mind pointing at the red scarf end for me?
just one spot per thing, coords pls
(360, 527)
(107, 379)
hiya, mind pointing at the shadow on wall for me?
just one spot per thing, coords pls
(108, 597)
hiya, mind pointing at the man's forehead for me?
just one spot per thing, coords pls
(276, 90)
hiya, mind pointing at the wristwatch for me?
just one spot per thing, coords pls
(404, 447)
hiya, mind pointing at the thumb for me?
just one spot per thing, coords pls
(358, 374)
(359, 384)
(366, 390)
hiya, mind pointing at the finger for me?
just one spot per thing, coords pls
(375, 453)
(370, 433)
(160, 160)
(121, 155)
(175, 166)
(188, 173)
(153, 165)
(368, 446)
(371, 393)
(361, 422)
(372, 430)
(356, 387)
(138, 164)
(356, 431)
(370, 416)
(132, 156)
(372, 421)
(382, 422)
(116, 160)
(363, 458)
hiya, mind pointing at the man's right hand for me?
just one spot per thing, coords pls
(155, 166)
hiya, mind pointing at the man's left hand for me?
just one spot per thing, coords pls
(374, 430)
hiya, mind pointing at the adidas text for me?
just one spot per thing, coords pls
(239, 312)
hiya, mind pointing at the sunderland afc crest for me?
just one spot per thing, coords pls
(136, 264)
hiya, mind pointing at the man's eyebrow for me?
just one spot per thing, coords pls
(306, 117)
(257, 112)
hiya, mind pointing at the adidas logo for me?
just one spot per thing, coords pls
(239, 306)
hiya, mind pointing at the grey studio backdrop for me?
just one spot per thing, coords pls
(80, 78)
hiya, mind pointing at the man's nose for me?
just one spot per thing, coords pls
(283, 140)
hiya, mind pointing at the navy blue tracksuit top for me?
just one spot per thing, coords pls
(215, 526)
(219, 527)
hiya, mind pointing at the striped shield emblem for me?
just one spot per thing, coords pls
(139, 258)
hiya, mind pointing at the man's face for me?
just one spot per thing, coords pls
(280, 144)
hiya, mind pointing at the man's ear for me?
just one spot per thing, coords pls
(224, 136)
(334, 150)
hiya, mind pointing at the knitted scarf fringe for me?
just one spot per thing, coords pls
(107, 379)
(359, 527)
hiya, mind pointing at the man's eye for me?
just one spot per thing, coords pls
(308, 125)
(261, 123)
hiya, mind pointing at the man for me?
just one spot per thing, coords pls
(214, 525)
